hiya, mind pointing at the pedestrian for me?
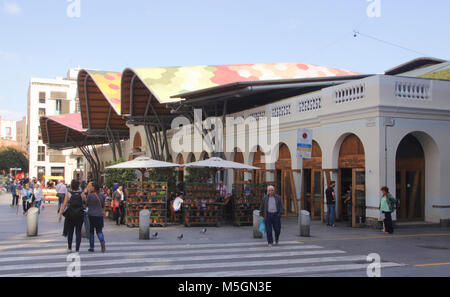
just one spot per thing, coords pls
(331, 204)
(223, 191)
(387, 206)
(176, 206)
(96, 212)
(115, 186)
(119, 196)
(38, 197)
(26, 198)
(61, 191)
(271, 209)
(13, 193)
(74, 215)
(348, 203)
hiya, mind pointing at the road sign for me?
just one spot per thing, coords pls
(304, 143)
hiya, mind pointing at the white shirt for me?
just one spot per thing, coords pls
(177, 203)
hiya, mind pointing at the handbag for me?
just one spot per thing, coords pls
(262, 226)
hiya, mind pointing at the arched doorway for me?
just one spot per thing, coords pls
(137, 147)
(312, 183)
(352, 175)
(259, 176)
(284, 179)
(204, 156)
(410, 179)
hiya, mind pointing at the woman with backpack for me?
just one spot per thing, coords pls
(96, 206)
(387, 206)
(74, 215)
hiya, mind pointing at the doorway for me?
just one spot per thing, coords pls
(312, 184)
(410, 179)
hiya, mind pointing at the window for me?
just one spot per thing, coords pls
(42, 112)
(41, 153)
(39, 133)
(41, 173)
(58, 103)
(8, 131)
(41, 97)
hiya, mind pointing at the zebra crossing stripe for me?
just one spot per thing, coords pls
(149, 252)
(169, 260)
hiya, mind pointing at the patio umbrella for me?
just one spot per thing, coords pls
(216, 162)
(142, 163)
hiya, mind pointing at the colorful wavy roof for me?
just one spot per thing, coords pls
(109, 84)
(165, 82)
(72, 121)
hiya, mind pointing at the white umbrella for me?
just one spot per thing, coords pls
(216, 162)
(141, 163)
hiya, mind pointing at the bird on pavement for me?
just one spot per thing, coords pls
(155, 235)
(203, 231)
(180, 237)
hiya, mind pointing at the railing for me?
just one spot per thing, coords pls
(349, 93)
(308, 104)
(281, 110)
(411, 90)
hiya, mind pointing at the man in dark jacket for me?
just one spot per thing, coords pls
(271, 210)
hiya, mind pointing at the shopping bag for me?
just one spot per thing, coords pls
(262, 226)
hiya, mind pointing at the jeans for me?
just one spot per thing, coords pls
(273, 221)
(330, 214)
(97, 224)
(37, 204)
(13, 199)
(71, 226)
(388, 222)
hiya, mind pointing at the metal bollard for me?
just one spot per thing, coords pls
(256, 222)
(304, 223)
(144, 224)
(32, 221)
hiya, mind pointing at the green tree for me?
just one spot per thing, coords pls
(12, 158)
(199, 175)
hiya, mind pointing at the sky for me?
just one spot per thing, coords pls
(47, 37)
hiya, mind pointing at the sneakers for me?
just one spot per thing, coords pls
(103, 247)
(269, 245)
(91, 250)
(276, 242)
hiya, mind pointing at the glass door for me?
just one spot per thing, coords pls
(358, 197)
(316, 194)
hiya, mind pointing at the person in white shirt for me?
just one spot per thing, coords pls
(61, 191)
(176, 205)
(38, 196)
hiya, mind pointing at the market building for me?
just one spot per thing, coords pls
(368, 130)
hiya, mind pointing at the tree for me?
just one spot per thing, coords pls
(12, 158)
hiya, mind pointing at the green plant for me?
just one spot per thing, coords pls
(12, 158)
(122, 176)
(199, 175)
(168, 175)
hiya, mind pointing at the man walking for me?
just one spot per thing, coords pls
(271, 209)
(61, 191)
(331, 204)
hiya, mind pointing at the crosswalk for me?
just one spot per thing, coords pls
(48, 258)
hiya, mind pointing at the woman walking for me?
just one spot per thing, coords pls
(74, 215)
(118, 203)
(26, 198)
(38, 197)
(96, 205)
(387, 205)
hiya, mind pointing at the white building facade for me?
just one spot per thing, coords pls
(8, 130)
(50, 97)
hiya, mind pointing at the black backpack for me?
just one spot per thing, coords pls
(76, 208)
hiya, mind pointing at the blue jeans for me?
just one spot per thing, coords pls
(61, 197)
(37, 204)
(330, 213)
(97, 224)
(273, 221)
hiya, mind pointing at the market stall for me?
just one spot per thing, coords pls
(246, 198)
(151, 195)
(202, 205)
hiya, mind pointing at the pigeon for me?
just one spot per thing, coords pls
(155, 235)
(180, 237)
(203, 231)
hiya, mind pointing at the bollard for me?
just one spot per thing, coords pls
(304, 223)
(256, 222)
(144, 224)
(32, 221)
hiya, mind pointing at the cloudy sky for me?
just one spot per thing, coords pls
(41, 39)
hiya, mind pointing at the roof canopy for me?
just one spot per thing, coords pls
(99, 93)
(65, 131)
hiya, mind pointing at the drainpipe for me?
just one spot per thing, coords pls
(388, 122)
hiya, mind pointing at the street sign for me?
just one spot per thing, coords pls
(304, 143)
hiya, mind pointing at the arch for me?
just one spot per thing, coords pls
(315, 162)
(351, 153)
(417, 177)
(284, 157)
(204, 155)
(179, 159)
(191, 158)
(137, 141)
